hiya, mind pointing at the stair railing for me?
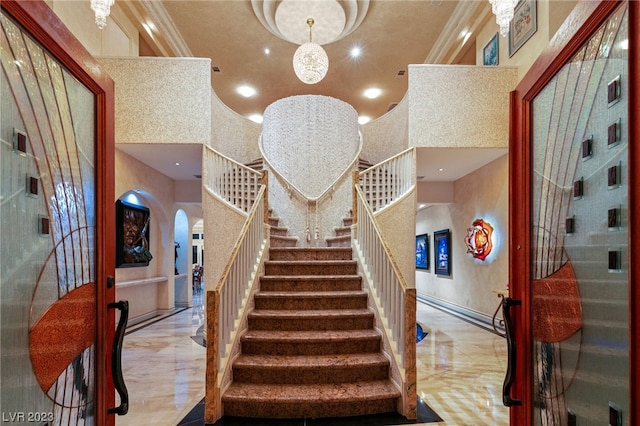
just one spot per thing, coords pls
(395, 298)
(246, 190)
(385, 182)
(231, 181)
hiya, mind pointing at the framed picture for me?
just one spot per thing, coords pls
(490, 51)
(132, 235)
(442, 252)
(523, 25)
(422, 251)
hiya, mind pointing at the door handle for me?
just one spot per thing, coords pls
(507, 304)
(116, 358)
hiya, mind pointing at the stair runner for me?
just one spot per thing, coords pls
(311, 349)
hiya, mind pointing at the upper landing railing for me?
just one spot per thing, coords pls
(389, 180)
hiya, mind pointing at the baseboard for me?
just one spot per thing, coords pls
(468, 315)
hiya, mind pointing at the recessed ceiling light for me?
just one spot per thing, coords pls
(363, 119)
(267, 51)
(355, 52)
(246, 91)
(177, 164)
(441, 170)
(256, 118)
(372, 93)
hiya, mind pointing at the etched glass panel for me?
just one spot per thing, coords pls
(47, 268)
(580, 284)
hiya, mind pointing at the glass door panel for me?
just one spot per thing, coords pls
(47, 265)
(579, 236)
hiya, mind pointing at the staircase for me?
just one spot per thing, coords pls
(311, 349)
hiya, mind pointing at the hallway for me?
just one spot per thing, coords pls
(460, 369)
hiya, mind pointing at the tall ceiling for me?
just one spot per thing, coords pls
(391, 35)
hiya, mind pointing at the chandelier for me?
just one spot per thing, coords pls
(503, 9)
(310, 62)
(102, 9)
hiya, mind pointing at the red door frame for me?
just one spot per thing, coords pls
(40, 21)
(581, 23)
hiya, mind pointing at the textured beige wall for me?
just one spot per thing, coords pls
(313, 156)
(119, 38)
(222, 227)
(481, 194)
(459, 106)
(232, 134)
(155, 191)
(387, 135)
(397, 223)
(161, 100)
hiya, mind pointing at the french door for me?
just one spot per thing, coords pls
(574, 222)
(57, 225)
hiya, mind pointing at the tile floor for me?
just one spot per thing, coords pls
(460, 372)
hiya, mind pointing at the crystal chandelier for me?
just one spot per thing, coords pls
(503, 9)
(102, 9)
(310, 62)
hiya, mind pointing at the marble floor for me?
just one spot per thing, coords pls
(460, 370)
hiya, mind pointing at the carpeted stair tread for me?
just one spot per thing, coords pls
(310, 282)
(310, 253)
(320, 336)
(306, 394)
(303, 361)
(320, 313)
(321, 319)
(311, 300)
(310, 294)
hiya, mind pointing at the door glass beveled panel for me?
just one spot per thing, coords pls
(579, 249)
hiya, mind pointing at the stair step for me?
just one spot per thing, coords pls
(311, 300)
(274, 221)
(280, 241)
(319, 369)
(270, 342)
(329, 319)
(311, 283)
(310, 267)
(281, 231)
(342, 231)
(341, 241)
(310, 253)
(310, 401)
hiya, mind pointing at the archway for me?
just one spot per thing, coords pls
(181, 259)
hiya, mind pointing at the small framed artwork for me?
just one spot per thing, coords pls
(523, 25)
(422, 251)
(490, 51)
(132, 235)
(442, 252)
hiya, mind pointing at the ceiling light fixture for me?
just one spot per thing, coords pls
(246, 91)
(310, 62)
(372, 93)
(355, 52)
(101, 9)
(503, 9)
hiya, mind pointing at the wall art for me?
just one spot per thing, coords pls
(442, 252)
(523, 25)
(132, 235)
(490, 51)
(479, 239)
(422, 251)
